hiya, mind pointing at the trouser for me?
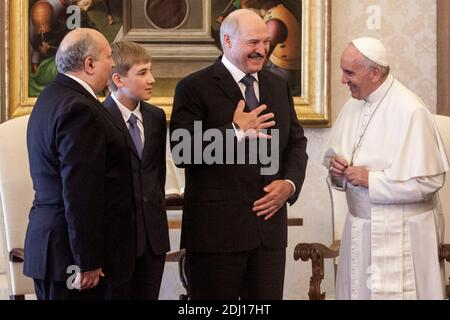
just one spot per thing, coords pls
(251, 275)
(145, 282)
(57, 290)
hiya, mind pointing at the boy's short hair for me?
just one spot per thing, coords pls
(125, 55)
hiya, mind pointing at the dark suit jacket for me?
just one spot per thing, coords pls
(149, 177)
(83, 211)
(218, 202)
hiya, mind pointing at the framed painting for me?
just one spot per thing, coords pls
(182, 36)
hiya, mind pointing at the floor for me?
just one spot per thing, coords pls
(3, 287)
(4, 290)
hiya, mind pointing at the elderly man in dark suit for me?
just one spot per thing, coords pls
(235, 217)
(82, 218)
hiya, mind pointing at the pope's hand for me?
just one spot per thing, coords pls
(358, 176)
(338, 165)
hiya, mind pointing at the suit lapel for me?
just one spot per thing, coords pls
(74, 85)
(147, 117)
(111, 106)
(265, 89)
(267, 95)
(226, 82)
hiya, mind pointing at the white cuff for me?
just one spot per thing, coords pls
(293, 185)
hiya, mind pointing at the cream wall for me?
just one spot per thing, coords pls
(408, 29)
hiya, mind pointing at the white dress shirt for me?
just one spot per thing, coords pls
(238, 74)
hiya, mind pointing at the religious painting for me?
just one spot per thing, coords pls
(49, 22)
(283, 19)
(182, 37)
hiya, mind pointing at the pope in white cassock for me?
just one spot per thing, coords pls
(386, 154)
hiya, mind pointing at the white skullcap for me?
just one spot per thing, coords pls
(372, 49)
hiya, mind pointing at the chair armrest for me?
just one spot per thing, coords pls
(444, 254)
(16, 255)
(316, 252)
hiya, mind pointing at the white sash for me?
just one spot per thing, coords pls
(392, 268)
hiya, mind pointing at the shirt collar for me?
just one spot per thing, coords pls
(83, 84)
(126, 113)
(378, 94)
(236, 73)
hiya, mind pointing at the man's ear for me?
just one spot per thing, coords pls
(227, 40)
(117, 79)
(89, 65)
(376, 74)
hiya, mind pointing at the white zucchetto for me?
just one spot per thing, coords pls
(373, 49)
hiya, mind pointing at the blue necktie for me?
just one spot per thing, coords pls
(135, 134)
(250, 97)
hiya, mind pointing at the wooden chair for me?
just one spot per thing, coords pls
(318, 252)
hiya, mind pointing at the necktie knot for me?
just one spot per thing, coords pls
(248, 80)
(132, 119)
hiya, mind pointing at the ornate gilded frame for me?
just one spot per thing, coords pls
(313, 107)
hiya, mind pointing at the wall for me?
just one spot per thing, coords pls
(408, 29)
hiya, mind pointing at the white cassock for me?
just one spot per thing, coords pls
(389, 248)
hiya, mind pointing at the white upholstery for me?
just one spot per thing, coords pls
(443, 124)
(338, 211)
(338, 214)
(17, 194)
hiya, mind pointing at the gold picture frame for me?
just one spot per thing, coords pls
(312, 107)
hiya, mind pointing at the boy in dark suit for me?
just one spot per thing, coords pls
(145, 127)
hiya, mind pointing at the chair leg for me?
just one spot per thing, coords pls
(183, 276)
(18, 297)
(447, 289)
(310, 251)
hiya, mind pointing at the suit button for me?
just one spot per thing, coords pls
(145, 199)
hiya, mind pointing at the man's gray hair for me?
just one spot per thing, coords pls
(369, 64)
(72, 58)
(230, 26)
(372, 65)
